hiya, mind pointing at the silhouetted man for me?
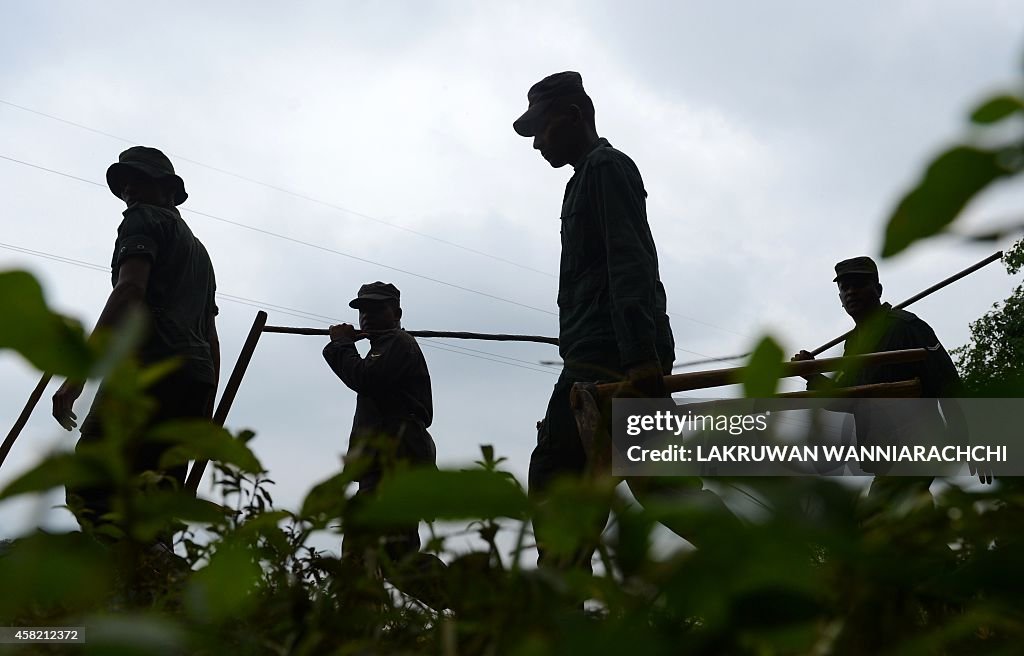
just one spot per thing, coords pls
(160, 267)
(394, 408)
(880, 327)
(613, 323)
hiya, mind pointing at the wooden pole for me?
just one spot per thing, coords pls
(30, 405)
(491, 337)
(228, 397)
(917, 297)
(913, 299)
(593, 431)
(718, 377)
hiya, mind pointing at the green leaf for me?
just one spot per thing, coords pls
(128, 635)
(120, 343)
(197, 439)
(226, 588)
(1013, 259)
(996, 109)
(48, 340)
(950, 182)
(573, 511)
(419, 494)
(64, 469)
(327, 498)
(154, 512)
(760, 377)
(68, 570)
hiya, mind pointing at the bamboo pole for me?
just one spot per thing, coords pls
(917, 297)
(30, 405)
(913, 299)
(904, 389)
(492, 337)
(230, 389)
(718, 377)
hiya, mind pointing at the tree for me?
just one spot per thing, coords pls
(992, 363)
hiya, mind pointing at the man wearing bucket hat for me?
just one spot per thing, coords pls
(613, 323)
(394, 408)
(160, 267)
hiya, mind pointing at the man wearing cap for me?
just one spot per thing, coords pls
(613, 323)
(394, 408)
(160, 267)
(880, 327)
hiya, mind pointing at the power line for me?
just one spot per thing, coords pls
(704, 323)
(302, 314)
(304, 243)
(289, 192)
(318, 247)
(241, 300)
(312, 199)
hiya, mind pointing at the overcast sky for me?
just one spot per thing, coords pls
(773, 139)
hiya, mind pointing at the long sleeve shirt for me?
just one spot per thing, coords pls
(391, 382)
(610, 297)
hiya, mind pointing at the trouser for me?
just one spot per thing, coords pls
(177, 396)
(887, 492)
(559, 454)
(420, 575)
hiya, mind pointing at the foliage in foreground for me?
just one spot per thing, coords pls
(821, 571)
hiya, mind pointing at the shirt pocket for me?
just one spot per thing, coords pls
(584, 270)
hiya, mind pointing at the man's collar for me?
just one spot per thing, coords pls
(881, 311)
(600, 143)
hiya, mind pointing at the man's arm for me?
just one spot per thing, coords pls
(214, 340)
(385, 365)
(128, 293)
(632, 273)
(814, 381)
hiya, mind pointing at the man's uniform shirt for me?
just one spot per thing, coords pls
(181, 288)
(393, 399)
(611, 300)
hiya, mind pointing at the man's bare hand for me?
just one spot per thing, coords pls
(982, 470)
(804, 356)
(346, 331)
(63, 402)
(646, 379)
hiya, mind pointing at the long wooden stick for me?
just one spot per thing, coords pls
(492, 337)
(718, 377)
(913, 299)
(30, 405)
(228, 397)
(904, 389)
(917, 297)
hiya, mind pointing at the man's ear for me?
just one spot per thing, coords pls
(575, 113)
(167, 192)
(398, 313)
(878, 286)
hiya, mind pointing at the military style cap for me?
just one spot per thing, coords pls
(863, 264)
(375, 291)
(541, 95)
(149, 161)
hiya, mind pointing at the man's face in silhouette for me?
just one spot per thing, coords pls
(557, 134)
(379, 315)
(140, 188)
(860, 294)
